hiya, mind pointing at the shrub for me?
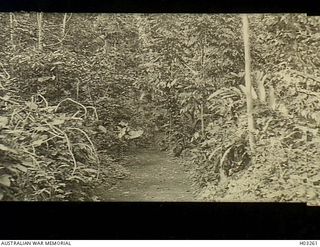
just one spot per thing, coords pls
(45, 154)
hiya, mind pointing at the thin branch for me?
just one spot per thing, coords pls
(308, 92)
(9, 101)
(87, 137)
(60, 41)
(69, 99)
(5, 71)
(69, 145)
(95, 153)
(306, 76)
(44, 99)
(39, 20)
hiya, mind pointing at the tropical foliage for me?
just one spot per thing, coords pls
(79, 91)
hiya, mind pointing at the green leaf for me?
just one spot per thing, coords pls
(4, 180)
(1, 196)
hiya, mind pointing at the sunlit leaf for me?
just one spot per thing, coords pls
(58, 121)
(32, 105)
(37, 143)
(90, 170)
(41, 128)
(3, 122)
(46, 78)
(5, 180)
(21, 168)
(134, 134)
(5, 148)
(76, 178)
(102, 129)
(28, 163)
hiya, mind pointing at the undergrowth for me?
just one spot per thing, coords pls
(48, 154)
(284, 165)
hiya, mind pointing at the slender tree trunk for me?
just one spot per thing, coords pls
(39, 21)
(203, 56)
(272, 98)
(246, 42)
(170, 130)
(64, 22)
(11, 30)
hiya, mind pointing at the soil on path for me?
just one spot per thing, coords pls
(154, 176)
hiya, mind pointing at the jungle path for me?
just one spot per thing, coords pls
(154, 176)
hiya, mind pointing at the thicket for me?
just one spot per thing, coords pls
(79, 90)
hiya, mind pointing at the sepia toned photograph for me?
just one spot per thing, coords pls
(160, 107)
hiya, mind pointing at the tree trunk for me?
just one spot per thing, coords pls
(11, 30)
(170, 130)
(246, 42)
(203, 56)
(64, 21)
(272, 98)
(39, 20)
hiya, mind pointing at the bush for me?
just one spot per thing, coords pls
(45, 154)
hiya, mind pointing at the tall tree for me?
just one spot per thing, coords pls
(246, 42)
(39, 22)
(64, 20)
(11, 29)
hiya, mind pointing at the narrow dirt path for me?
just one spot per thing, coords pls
(154, 176)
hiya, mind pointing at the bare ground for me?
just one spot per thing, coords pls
(154, 176)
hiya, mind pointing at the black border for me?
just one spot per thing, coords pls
(73, 220)
(158, 220)
(163, 6)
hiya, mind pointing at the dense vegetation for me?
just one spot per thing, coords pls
(78, 91)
